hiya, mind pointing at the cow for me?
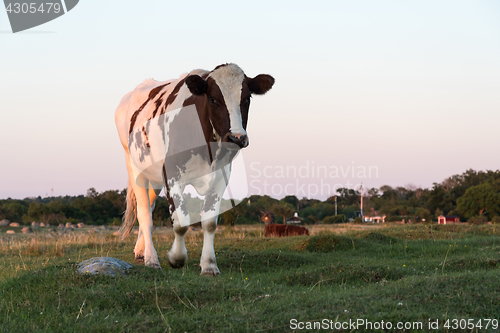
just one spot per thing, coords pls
(183, 132)
(283, 230)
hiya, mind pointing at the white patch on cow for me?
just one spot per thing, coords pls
(230, 78)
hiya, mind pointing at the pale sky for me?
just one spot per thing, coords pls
(410, 90)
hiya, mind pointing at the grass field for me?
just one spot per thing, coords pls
(395, 273)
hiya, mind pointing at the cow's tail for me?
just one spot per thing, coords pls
(130, 213)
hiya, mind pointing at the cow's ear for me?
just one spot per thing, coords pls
(197, 86)
(261, 84)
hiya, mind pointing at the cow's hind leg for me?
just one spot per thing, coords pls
(140, 245)
(139, 248)
(145, 227)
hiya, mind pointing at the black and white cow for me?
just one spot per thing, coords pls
(178, 133)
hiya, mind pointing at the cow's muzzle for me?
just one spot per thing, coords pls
(240, 140)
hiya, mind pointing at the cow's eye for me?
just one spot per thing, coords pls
(212, 100)
(247, 101)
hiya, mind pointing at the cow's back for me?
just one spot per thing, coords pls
(130, 103)
(296, 230)
(149, 100)
(275, 230)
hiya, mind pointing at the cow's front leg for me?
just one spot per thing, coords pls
(209, 217)
(177, 256)
(208, 263)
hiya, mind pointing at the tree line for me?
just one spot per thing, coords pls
(473, 196)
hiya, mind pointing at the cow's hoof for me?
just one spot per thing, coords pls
(176, 261)
(139, 260)
(176, 264)
(210, 271)
(153, 265)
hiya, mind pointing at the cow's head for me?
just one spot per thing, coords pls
(227, 91)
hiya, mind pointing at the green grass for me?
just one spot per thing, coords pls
(394, 273)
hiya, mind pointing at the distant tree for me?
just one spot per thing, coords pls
(349, 212)
(283, 209)
(229, 218)
(161, 213)
(333, 219)
(423, 214)
(478, 220)
(305, 202)
(292, 200)
(14, 210)
(348, 196)
(324, 209)
(263, 202)
(92, 193)
(3, 214)
(37, 210)
(373, 192)
(311, 219)
(309, 214)
(479, 200)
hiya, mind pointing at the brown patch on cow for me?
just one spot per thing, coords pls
(146, 137)
(245, 102)
(156, 90)
(221, 65)
(213, 117)
(172, 96)
(134, 116)
(170, 200)
(152, 94)
(158, 104)
(218, 112)
(200, 102)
